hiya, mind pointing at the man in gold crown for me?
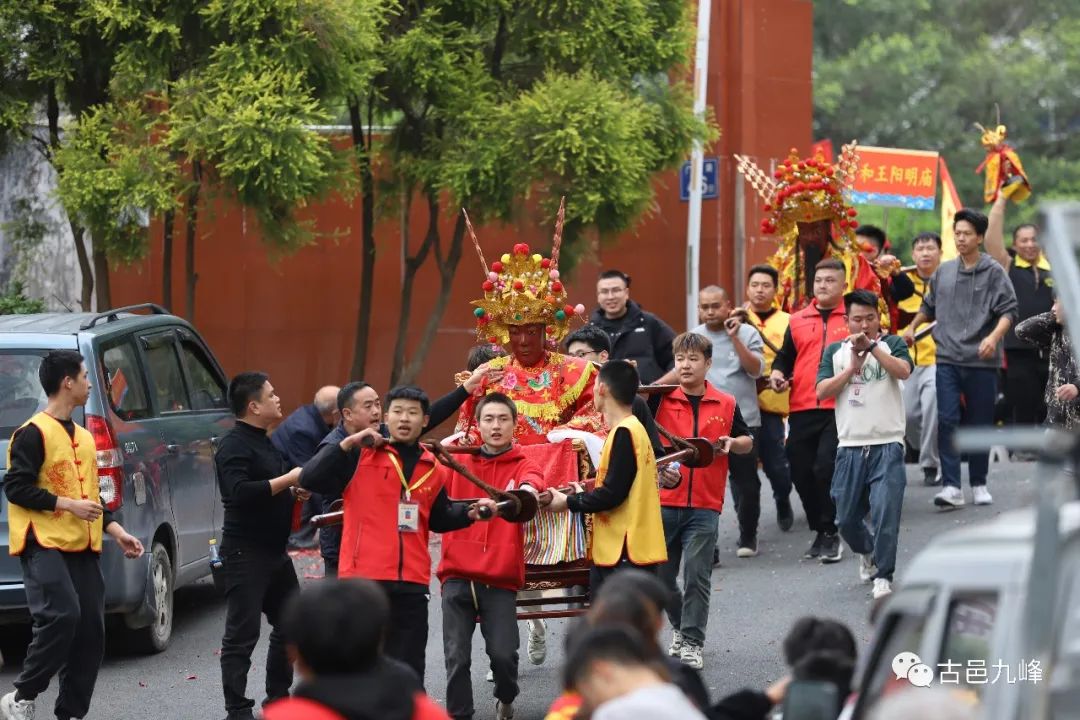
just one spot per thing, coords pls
(807, 210)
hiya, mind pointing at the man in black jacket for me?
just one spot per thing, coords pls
(635, 334)
(297, 438)
(258, 491)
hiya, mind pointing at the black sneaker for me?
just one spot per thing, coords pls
(747, 548)
(831, 549)
(930, 477)
(716, 557)
(815, 547)
(784, 516)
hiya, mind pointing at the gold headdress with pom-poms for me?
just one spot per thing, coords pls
(523, 288)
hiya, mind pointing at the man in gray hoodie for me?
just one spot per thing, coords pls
(974, 304)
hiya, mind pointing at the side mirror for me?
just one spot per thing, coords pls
(811, 700)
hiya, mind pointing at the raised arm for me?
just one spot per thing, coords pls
(995, 232)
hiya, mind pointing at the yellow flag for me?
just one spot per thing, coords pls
(950, 203)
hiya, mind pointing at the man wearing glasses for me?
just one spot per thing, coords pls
(633, 334)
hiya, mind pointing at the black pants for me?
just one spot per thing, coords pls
(1025, 383)
(257, 582)
(406, 637)
(746, 489)
(65, 593)
(811, 451)
(597, 574)
(463, 602)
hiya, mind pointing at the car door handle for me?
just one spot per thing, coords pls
(172, 449)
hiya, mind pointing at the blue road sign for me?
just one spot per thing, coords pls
(708, 180)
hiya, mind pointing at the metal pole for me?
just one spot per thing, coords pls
(697, 157)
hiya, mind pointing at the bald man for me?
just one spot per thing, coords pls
(297, 438)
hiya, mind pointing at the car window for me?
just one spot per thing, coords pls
(20, 390)
(125, 386)
(968, 643)
(903, 634)
(166, 379)
(207, 391)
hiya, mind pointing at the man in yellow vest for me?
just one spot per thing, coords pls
(764, 314)
(55, 523)
(628, 529)
(920, 390)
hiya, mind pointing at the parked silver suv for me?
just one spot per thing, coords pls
(157, 406)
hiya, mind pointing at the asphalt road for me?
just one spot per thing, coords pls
(754, 602)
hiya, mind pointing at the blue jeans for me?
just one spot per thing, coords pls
(978, 386)
(870, 479)
(691, 536)
(770, 442)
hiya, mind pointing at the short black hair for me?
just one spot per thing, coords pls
(409, 392)
(612, 274)
(873, 233)
(593, 336)
(619, 644)
(480, 354)
(810, 634)
(764, 270)
(866, 298)
(830, 264)
(1024, 226)
(496, 398)
(347, 395)
(635, 582)
(622, 381)
(923, 236)
(830, 666)
(692, 342)
(978, 221)
(244, 388)
(57, 366)
(337, 626)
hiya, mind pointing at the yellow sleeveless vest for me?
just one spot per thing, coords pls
(69, 470)
(636, 524)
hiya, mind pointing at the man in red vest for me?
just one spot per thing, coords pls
(395, 497)
(691, 509)
(812, 441)
(483, 566)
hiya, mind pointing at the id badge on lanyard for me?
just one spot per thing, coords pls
(408, 512)
(857, 391)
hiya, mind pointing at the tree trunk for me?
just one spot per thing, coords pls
(52, 113)
(412, 265)
(101, 278)
(367, 240)
(191, 226)
(447, 270)
(167, 227)
(85, 269)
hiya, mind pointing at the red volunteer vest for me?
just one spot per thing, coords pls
(811, 336)
(700, 487)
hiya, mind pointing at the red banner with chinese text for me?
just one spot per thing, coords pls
(896, 178)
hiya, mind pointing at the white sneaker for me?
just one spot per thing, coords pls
(677, 643)
(490, 677)
(867, 569)
(882, 587)
(504, 711)
(13, 709)
(693, 655)
(537, 642)
(981, 495)
(950, 497)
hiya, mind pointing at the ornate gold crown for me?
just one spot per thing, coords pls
(523, 288)
(806, 190)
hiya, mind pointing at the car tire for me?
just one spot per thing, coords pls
(155, 637)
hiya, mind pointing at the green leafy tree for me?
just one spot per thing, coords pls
(490, 102)
(919, 74)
